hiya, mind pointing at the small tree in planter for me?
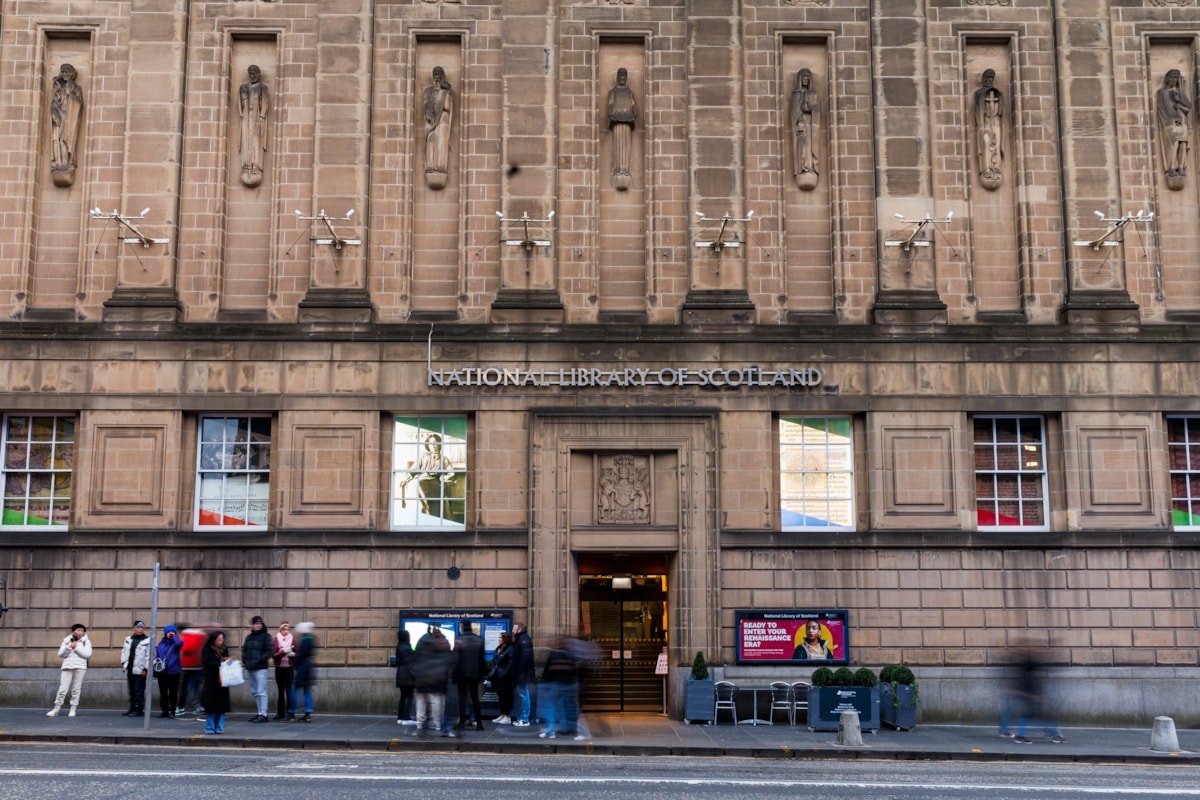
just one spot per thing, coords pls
(845, 690)
(898, 696)
(701, 701)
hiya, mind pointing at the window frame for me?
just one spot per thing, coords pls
(1022, 470)
(226, 470)
(849, 472)
(402, 457)
(27, 471)
(1189, 475)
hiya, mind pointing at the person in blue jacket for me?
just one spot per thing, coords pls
(168, 668)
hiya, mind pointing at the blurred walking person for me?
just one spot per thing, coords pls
(469, 666)
(431, 674)
(1025, 699)
(558, 680)
(305, 676)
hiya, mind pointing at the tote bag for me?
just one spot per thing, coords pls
(232, 674)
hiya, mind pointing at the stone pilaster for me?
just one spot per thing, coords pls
(528, 275)
(716, 162)
(145, 289)
(907, 292)
(1097, 292)
(338, 277)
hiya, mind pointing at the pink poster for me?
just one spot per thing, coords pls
(792, 636)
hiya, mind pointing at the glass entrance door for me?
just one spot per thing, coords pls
(627, 618)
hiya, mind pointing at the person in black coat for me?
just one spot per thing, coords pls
(256, 658)
(523, 672)
(431, 672)
(469, 666)
(304, 676)
(214, 696)
(405, 682)
(500, 677)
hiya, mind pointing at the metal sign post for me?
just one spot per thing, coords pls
(152, 649)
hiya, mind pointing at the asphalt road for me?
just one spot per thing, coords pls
(98, 772)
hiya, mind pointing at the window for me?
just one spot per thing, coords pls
(233, 472)
(39, 453)
(429, 472)
(1183, 450)
(1010, 473)
(816, 473)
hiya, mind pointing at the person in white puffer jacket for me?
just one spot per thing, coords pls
(75, 651)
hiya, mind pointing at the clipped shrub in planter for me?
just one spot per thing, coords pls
(898, 697)
(822, 676)
(832, 693)
(844, 677)
(699, 668)
(865, 676)
(701, 701)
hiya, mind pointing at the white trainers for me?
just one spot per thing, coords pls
(53, 712)
(520, 724)
(504, 720)
(71, 713)
(546, 735)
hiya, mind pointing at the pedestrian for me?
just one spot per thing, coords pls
(500, 678)
(75, 651)
(191, 679)
(305, 676)
(284, 647)
(168, 666)
(523, 672)
(405, 681)
(1025, 698)
(469, 666)
(558, 680)
(214, 696)
(431, 673)
(256, 658)
(135, 663)
(586, 654)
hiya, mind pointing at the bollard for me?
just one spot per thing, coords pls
(1163, 738)
(849, 734)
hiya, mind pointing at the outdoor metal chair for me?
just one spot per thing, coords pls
(799, 701)
(726, 694)
(781, 700)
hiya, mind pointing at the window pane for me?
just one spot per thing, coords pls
(429, 472)
(1010, 472)
(816, 473)
(39, 454)
(1183, 456)
(233, 472)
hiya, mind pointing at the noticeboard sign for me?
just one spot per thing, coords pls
(793, 637)
(488, 624)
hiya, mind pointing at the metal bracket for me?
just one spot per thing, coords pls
(916, 236)
(526, 241)
(1115, 226)
(333, 238)
(134, 236)
(720, 243)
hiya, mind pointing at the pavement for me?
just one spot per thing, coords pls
(610, 734)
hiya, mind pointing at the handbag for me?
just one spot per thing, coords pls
(232, 674)
(159, 665)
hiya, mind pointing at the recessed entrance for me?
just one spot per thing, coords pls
(624, 611)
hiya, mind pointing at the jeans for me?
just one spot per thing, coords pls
(431, 707)
(215, 723)
(550, 705)
(294, 697)
(189, 685)
(257, 681)
(523, 700)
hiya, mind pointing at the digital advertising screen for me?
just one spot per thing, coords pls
(793, 637)
(487, 624)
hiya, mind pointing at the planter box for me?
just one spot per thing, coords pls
(701, 702)
(898, 706)
(826, 704)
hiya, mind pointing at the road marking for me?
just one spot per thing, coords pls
(1125, 791)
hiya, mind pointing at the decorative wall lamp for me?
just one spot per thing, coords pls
(916, 237)
(132, 234)
(719, 243)
(524, 221)
(1115, 226)
(333, 238)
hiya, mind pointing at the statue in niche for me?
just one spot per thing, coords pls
(254, 103)
(622, 117)
(623, 489)
(66, 110)
(989, 127)
(438, 108)
(806, 131)
(1173, 110)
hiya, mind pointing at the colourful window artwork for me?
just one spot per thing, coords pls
(1010, 473)
(233, 472)
(39, 454)
(1183, 452)
(816, 473)
(429, 472)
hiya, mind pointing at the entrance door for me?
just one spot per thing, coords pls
(626, 616)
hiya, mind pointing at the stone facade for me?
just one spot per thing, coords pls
(899, 292)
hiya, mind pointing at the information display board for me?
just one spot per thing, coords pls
(489, 624)
(792, 637)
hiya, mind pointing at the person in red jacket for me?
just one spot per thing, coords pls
(193, 675)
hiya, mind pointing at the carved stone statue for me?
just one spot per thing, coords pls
(622, 117)
(989, 130)
(438, 108)
(66, 110)
(806, 131)
(254, 103)
(623, 489)
(1173, 110)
